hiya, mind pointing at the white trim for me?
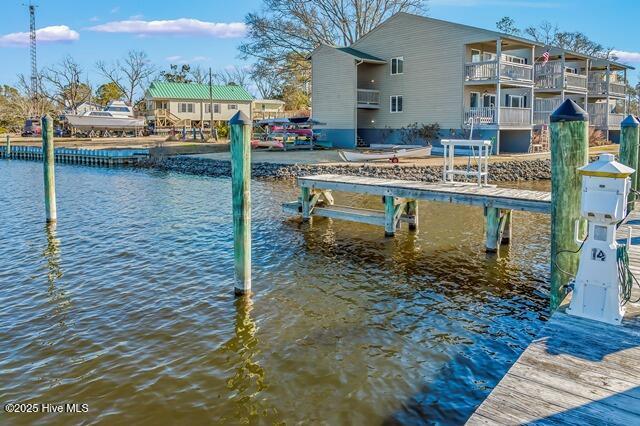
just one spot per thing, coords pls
(512, 97)
(396, 58)
(479, 98)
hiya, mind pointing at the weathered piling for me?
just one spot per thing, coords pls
(492, 229)
(629, 144)
(7, 151)
(569, 150)
(389, 214)
(48, 160)
(241, 190)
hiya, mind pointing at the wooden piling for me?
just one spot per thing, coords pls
(492, 229)
(241, 190)
(412, 211)
(48, 160)
(569, 150)
(629, 143)
(7, 151)
(507, 218)
(389, 214)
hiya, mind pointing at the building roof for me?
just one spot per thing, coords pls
(167, 90)
(496, 34)
(360, 55)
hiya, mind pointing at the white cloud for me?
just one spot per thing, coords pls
(523, 3)
(182, 26)
(136, 17)
(115, 9)
(199, 58)
(94, 19)
(177, 59)
(626, 56)
(173, 58)
(52, 34)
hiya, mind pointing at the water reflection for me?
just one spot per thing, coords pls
(58, 298)
(248, 378)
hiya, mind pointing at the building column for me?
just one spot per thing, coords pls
(498, 92)
(608, 98)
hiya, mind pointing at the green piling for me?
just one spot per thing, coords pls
(629, 143)
(241, 190)
(389, 214)
(569, 150)
(48, 158)
(492, 229)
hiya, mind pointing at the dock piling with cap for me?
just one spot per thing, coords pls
(569, 150)
(241, 192)
(629, 144)
(48, 160)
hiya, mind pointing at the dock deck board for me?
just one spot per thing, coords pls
(576, 371)
(505, 198)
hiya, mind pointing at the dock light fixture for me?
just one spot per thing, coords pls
(598, 288)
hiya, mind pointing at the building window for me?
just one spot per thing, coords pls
(397, 65)
(516, 101)
(396, 103)
(474, 100)
(488, 100)
(184, 107)
(232, 106)
(162, 105)
(216, 108)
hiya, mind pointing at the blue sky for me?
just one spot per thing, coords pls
(91, 31)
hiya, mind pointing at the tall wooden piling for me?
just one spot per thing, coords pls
(48, 159)
(492, 229)
(241, 190)
(569, 150)
(629, 144)
(7, 151)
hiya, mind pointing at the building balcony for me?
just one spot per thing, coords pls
(599, 88)
(550, 77)
(487, 71)
(601, 117)
(488, 116)
(368, 99)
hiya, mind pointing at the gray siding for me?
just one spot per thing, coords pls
(333, 95)
(432, 83)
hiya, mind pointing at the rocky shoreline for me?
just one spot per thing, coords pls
(506, 171)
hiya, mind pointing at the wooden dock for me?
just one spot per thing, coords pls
(576, 371)
(400, 199)
(102, 157)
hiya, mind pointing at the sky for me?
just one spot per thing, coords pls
(208, 32)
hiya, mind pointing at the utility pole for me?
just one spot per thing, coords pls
(34, 65)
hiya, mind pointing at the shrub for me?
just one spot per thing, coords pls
(597, 138)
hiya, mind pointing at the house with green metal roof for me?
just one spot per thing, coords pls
(193, 104)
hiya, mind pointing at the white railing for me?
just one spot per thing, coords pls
(543, 108)
(598, 116)
(485, 70)
(513, 71)
(368, 97)
(599, 87)
(548, 81)
(617, 89)
(575, 81)
(615, 120)
(515, 116)
(480, 116)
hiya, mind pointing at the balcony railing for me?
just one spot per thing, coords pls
(368, 98)
(575, 81)
(549, 76)
(599, 87)
(483, 116)
(543, 108)
(598, 116)
(487, 70)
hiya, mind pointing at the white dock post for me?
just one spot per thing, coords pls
(48, 158)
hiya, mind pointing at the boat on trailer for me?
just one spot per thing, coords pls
(393, 156)
(116, 116)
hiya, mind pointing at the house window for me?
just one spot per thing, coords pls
(488, 100)
(515, 101)
(162, 105)
(396, 103)
(474, 100)
(397, 65)
(232, 106)
(476, 55)
(216, 108)
(514, 59)
(184, 107)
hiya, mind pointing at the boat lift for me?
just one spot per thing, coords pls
(480, 171)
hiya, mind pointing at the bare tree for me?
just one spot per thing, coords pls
(63, 85)
(294, 27)
(199, 75)
(266, 82)
(234, 76)
(130, 73)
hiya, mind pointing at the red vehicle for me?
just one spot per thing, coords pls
(31, 127)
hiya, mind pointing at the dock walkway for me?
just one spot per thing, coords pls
(576, 371)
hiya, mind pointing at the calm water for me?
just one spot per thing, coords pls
(128, 306)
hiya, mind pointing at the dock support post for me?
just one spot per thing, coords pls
(241, 190)
(569, 150)
(412, 211)
(507, 218)
(7, 151)
(492, 229)
(389, 216)
(305, 194)
(48, 159)
(629, 142)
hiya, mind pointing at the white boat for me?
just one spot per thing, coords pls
(392, 156)
(116, 116)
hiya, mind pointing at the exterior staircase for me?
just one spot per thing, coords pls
(165, 118)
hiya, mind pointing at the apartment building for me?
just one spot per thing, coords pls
(414, 69)
(191, 104)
